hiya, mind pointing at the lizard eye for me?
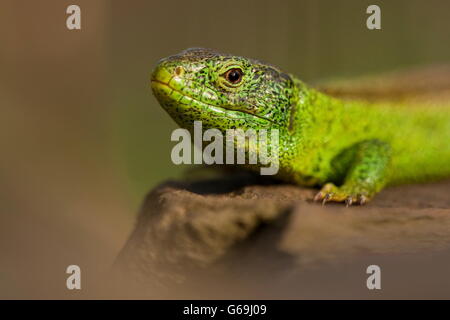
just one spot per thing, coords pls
(234, 76)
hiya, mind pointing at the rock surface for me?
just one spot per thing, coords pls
(254, 237)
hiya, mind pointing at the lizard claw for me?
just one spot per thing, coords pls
(348, 201)
(323, 196)
(362, 199)
(326, 198)
(331, 193)
(319, 196)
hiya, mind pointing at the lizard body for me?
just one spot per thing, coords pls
(351, 148)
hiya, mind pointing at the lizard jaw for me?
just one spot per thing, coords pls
(178, 103)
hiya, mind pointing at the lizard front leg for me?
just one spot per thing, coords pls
(364, 169)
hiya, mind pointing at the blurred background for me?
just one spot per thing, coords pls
(82, 138)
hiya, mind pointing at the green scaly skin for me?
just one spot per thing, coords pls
(352, 149)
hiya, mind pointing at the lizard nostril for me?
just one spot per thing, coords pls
(179, 71)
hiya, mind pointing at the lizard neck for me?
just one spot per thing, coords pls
(313, 118)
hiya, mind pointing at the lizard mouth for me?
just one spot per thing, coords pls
(164, 91)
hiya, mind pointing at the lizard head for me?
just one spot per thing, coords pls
(222, 91)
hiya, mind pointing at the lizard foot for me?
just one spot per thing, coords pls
(332, 193)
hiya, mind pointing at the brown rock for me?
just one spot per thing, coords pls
(253, 229)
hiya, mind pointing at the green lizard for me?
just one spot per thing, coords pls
(351, 148)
